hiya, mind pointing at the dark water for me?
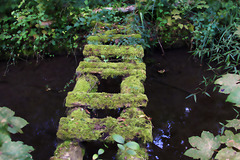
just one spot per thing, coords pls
(34, 92)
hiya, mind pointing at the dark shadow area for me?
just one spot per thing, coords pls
(110, 85)
(100, 113)
(35, 92)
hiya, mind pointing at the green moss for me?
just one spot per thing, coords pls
(132, 84)
(132, 123)
(112, 28)
(105, 100)
(141, 155)
(113, 69)
(109, 38)
(92, 59)
(68, 150)
(86, 83)
(127, 52)
(136, 125)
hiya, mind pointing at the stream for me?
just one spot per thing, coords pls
(35, 91)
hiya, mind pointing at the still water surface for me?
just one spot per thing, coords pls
(34, 91)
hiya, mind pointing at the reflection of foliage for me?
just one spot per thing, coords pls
(11, 124)
(206, 145)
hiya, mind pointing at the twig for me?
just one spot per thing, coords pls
(163, 53)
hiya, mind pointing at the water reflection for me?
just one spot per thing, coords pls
(174, 117)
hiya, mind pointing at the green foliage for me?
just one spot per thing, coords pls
(204, 146)
(207, 146)
(100, 152)
(215, 36)
(15, 151)
(129, 148)
(11, 124)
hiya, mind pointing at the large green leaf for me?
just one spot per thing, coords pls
(4, 138)
(235, 123)
(16, 123)
(228, 153)
(231, 140)
(204, 146)
(5, 113)
(133, 145)
(228, 82)
(15, 151)
(234, 96)
(118, 138)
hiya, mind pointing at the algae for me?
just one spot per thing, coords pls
(132, 84)
(127, 52)
(132, 123)
(86, 83)
(105, 100)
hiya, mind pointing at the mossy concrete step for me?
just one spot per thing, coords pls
(89, 84)
(115, 38)
(109, 51)
(112, 69)
(108, 28)
(105, 100)
(131, 124)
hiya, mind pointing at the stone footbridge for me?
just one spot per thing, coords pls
(106, 58)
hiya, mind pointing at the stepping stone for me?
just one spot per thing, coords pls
(105, 100)
(109, 51)
(131, 124)
(112, 69)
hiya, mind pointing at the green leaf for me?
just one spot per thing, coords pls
(133, 145)
(68, 27)
(95, 156)
(204, 146)
(120, 146)
(231, 140)
(16, 123)
(118, 138)
(100, 151)
(228, 82)
(227, 153)
(131, 152)
(5, 114)
(4, 138)
(234, 96)
(16, 150)
(235, 123)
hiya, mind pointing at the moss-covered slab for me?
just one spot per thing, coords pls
(103, 38)
(132, 123)
(100, 27)
(113, 69)
(113, 51)
(133, 85)
(105, 100)
(86, 83)
(68, 150)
